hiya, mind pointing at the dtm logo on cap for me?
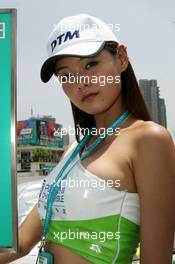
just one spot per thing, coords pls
(63, 38)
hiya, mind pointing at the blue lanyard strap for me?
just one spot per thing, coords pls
(55, 186)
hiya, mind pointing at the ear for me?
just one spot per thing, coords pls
(123, 57)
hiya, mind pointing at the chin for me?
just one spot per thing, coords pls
(95, 108)
(94, 111)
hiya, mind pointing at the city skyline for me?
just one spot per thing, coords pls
(156, 105)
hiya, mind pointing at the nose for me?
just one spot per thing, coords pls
(84, 81)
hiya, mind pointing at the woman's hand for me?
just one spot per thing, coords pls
(154, 168)
(29, 235)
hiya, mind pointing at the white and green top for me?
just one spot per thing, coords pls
(92, 219)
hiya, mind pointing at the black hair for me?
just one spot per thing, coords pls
(131, 94)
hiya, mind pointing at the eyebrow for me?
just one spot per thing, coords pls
(60, 68)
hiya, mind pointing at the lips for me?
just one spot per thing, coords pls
(89, 96)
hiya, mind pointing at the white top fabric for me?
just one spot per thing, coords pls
(83, 196)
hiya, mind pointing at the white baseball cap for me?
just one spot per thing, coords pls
(80, 35)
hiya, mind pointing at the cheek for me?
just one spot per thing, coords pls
(110, 73)
(68, 90)
(112, 79)
(112, 89)
(110, 92)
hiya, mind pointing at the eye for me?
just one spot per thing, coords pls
(64, 77)
(91, 63)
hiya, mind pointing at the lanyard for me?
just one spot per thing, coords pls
(55, 186)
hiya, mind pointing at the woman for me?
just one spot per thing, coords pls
(138, 161)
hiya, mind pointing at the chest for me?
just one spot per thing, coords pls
(112, 163)
(86, 189)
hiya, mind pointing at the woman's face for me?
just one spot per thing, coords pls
(92, 84)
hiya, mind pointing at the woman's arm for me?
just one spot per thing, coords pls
(29, 232)
(154, 168)
(29, 236)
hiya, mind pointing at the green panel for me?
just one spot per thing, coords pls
(5, 133)
(105, 246)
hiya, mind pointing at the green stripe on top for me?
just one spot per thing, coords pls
(100, 241)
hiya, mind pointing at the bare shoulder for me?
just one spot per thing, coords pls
(67, 149)
(154, 156)
(153, 149)
(150, 134)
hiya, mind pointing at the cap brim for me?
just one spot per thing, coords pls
(83, 49)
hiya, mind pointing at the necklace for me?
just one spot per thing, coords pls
(87, 147)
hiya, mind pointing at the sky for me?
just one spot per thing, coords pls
(147, 28)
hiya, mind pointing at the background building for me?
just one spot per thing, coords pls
(156, 105)
(162, 112)
(39, 145)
